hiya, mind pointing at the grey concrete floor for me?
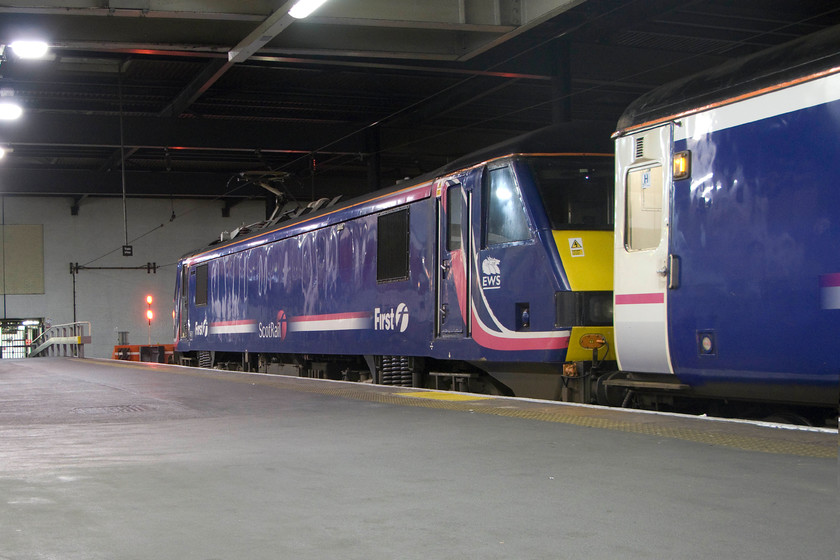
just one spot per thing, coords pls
(102, 460)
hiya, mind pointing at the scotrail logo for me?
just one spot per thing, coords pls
(274, 329)
(391, 320)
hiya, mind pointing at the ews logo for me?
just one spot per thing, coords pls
(491, 277)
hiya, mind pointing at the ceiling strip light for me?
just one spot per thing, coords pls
(29, 49)
(10, 111)
(303, 8)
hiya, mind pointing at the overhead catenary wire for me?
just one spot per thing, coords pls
(571, 29)
(181, 214)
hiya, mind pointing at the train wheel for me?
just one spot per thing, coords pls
(788, 417)
(610, 396)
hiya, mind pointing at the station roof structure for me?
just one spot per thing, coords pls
(210, 98)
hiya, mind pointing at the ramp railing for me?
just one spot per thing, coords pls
(62, 340)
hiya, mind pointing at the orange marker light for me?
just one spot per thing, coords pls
(682, 165)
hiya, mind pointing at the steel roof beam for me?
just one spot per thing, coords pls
(265, 32)
(175, 134)
(242, 10)
(464, 28)
(431, 14)
(83, 183)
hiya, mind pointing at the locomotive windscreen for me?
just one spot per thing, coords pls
(577, 191)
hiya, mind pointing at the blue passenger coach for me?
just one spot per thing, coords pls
(499, 261)
(727, 246)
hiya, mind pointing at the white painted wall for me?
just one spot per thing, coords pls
(114, 300)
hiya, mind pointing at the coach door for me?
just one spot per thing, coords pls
(183, 304)
(453, 297)
(642, 268)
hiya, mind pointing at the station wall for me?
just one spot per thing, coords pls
(114, 300)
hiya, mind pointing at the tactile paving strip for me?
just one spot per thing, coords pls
(745, 436)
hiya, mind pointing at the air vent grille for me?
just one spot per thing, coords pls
(640, 148)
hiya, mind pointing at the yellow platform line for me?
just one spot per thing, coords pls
(764, 440)
(441, 396)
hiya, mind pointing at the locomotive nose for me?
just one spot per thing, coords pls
(587, 258)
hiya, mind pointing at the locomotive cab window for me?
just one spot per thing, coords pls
(392, 236)
(200, 285)
(506, 221)
(577, 191)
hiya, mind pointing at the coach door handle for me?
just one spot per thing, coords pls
(673, 272)
(444, 268)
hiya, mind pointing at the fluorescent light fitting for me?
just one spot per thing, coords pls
(303, 8)
(2, 152)
(30, 49)
(10, 111)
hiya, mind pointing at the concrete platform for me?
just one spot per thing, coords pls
(114, 460)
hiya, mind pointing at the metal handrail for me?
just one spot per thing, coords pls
(67, 334)
(47, 332)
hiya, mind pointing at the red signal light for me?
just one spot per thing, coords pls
(149, 299)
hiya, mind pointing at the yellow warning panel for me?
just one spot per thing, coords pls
(588, 262)
(440, 396)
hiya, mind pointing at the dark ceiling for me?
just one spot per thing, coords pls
(205, 98)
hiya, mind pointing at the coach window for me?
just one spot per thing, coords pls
(506, 219)
(644, 208)
(392, 236)
(201, 285)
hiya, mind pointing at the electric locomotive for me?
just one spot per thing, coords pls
(727, 246)
(500, 261)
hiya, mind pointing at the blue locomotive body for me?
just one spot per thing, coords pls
(461, 267)
(312, 287)
(735, 277)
